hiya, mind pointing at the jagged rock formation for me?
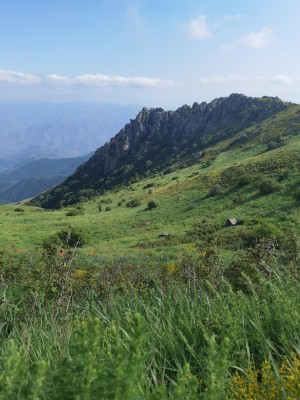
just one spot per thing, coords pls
(156, 139)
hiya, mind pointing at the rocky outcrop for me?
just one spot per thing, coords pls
(234, 112)
(156, 135)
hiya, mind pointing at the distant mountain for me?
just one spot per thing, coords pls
(42, 130)
(161, 141)
(32, 178)
(28, 187)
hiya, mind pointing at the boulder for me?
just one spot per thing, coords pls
(231, 222)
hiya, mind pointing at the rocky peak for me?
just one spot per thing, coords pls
(156, 137)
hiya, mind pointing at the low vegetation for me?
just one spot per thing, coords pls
(188, 329)
(181, 285)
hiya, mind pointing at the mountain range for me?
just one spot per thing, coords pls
(158, 142)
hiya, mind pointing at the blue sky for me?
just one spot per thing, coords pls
(153, 52)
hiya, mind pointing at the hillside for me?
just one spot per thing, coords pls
(159, 141)
(180, 283)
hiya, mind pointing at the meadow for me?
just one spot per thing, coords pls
(143, 293)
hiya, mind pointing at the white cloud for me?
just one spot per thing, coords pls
(281, 79)
(86, 79)
(215, 80)
(59, 78)
(17, 77)
(100, 79)
(198, 28)
(219, 80)
(257, 40)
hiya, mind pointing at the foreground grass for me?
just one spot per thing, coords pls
(174, 331)
(202, 312)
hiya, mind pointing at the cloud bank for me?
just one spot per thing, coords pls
(86, 79)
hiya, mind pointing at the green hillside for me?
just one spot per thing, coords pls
(159, 141)
(238, 177)
(141, 291)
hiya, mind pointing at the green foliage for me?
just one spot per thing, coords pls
(151, 205)
(268, 185)
(105, 201)
(275, 142)
(79, 210)
(133, 203)
(133, 315)
(69, 237)
(149, 185)
(76, 329)
(215, 190)
(74, 236)
(296, 194)
(245, 180)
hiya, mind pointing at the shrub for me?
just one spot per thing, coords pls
(73, 237)
(108, 208)
(133, 203)
(106, 201)
(152, 204)
(19, 209)
(266, 230)
(296, 194)
(268, 186)
(149, 185)
(245, 180)
(214, 190)
(75, 211)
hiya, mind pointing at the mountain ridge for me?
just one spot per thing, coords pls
(156, 140)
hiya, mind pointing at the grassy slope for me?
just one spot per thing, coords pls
(183, 199)
(121, 339)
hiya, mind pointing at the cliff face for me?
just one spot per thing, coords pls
(156, 136)
(234, 112)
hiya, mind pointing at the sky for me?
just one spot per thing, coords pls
(158, 53)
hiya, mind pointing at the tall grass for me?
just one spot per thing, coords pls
(173, 342)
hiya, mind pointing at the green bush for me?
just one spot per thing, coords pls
(106, 201)
(75, 211)
(72, 237)
(149, 185)
(19, 209)
(152, 204)
(133, 203)
(268, 186)
(214, 190)
(245, 180)
(296, 194)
